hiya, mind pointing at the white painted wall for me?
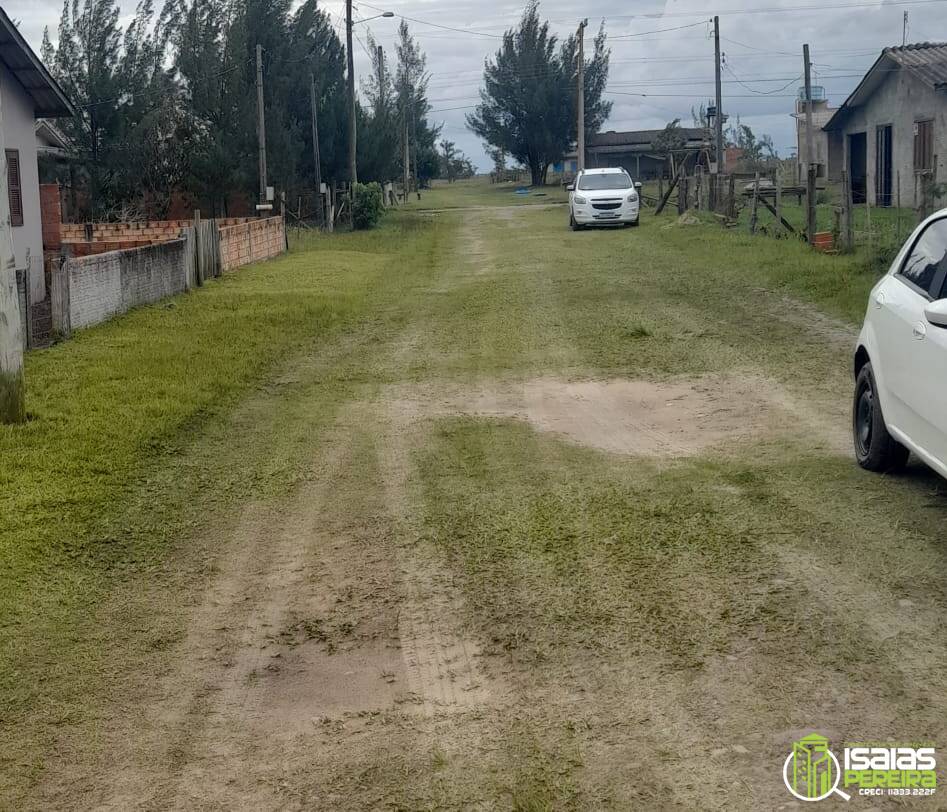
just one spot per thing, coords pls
(19, 132)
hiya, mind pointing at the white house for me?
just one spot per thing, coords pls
(27, 93)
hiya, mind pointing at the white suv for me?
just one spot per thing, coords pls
(901, 361)
(603, 197)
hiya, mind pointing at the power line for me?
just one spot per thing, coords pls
(468, 31)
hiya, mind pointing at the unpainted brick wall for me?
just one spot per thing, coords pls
(252, 241)
(146, 230)
(103, 285)
(21, 286)
(50, 204)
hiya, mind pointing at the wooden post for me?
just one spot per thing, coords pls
(898, 181)
(198, 254)
(12, 384)
(732, 198)
(682, 195)
(59, 299)
(756, 198)
(779, 199)
(810, 162)
(845, 218)
(316, 158)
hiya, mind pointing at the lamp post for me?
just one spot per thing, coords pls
(349, 24)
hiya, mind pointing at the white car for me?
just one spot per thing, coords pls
(901, 360)
(603, 197)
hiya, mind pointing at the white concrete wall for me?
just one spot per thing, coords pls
(103, 285)
(19, 132)
(900, 101)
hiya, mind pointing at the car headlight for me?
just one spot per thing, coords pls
(580, 200)
(632, 198)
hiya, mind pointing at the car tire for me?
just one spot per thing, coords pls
(634, 223)
(572, 223)
(875, 449)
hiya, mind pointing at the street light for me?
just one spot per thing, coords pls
(353, 175)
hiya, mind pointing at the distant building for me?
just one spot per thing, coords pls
(891, 132)
(731, 158)
(633, 150)
(821, 114)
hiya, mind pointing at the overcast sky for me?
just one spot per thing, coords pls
(673, 68)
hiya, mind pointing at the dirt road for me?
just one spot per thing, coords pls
(575, 537)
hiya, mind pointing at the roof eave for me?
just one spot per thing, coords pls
(65, 108)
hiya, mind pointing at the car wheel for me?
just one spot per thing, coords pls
(875, 448)
(634, 223)
(572, 223)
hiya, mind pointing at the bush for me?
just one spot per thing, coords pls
(367, 209)
(878, 258)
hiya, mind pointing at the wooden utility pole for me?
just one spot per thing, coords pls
(810, 164)
(350, 67)
(580, 123)
(382, 101)
(718, 119)
(754, 212)
(261, 127)
(316, 160)
(12, 386)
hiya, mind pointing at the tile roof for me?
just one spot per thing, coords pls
(926, 60)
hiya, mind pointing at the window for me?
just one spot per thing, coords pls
(605, 181)
(14, 189)
(926, 265)
(924, 146)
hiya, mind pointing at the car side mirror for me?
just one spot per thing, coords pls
(638, 185)
(936, 313)
(570, 187)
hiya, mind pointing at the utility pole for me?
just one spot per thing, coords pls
(580, 124)
(315, 147)
(12, 387)
(904, 31)
(407, 153)
(350, 65)
(382, 100)
(718, 119)
(261, 128)
(810, 164)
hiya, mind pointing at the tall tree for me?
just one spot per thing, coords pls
(528, 102)
(411, 81)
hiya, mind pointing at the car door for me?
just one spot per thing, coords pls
(914, 351)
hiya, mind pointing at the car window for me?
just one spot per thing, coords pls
(608, 180)
(926, 265)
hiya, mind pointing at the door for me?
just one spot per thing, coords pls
(858, 166)
(913, 351)
(883, 165)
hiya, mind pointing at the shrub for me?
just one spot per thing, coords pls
(367, 209)
(877, 259)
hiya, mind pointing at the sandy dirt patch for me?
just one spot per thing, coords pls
(637, 417)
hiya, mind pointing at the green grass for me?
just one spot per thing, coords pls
(135, 441)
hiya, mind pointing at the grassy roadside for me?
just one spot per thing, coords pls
(145, 428)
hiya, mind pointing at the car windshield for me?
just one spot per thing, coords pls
(608, 180)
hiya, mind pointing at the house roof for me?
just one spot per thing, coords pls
(927, 61)
(49, 101)
(639, 138)
(55, 140)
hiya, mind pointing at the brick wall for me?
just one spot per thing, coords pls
(21, 291)
(251, 241)
(146, 230)
(50, 205)
(103, 285)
